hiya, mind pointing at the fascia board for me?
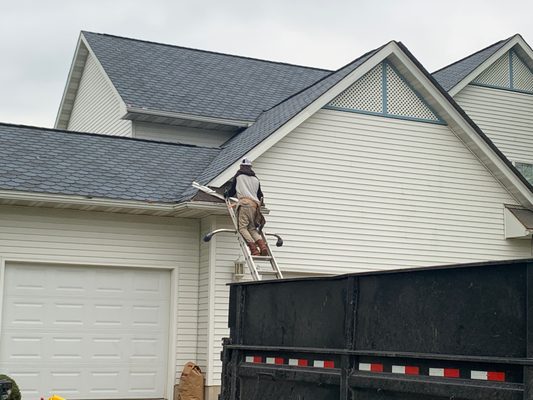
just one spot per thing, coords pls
(83, 201)
(472, 75)
(472, 140)
(68, 84)
(199, 118)
(170, 208)
(307, 112)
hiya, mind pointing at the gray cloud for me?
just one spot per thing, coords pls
(38, 38)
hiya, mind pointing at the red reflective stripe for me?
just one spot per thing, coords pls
(329, 364)
(376, 367)
(411, 370)
(258, 359)
(302, 363)
(496, 376)
(451, 373)
(278, 361)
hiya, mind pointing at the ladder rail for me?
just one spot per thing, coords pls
(248, 258)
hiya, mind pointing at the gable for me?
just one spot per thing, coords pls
(97, 107)
(384, 91)
(509, 72)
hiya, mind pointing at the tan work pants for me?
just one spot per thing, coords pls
(246, 214)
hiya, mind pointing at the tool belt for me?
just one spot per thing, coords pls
(248, 201)
(259, 218)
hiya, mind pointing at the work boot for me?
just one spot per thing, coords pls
(253, 248)
(263, 247)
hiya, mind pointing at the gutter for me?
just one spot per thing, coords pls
(88, 201)
(199, 118)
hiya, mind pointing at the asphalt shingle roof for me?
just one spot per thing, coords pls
(452, 74)
(53, 161)
(169, 78)
(273, 119)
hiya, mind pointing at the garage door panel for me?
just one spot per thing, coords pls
(101, 341)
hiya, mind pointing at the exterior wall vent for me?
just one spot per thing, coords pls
(384, 91)
(509, 72)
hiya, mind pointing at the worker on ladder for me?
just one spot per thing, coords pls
(246, 187)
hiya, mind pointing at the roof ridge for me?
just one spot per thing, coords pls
(208, 51)
(473, 54)
(102, 135)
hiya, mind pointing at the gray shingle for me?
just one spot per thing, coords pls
(452, 74)
(168, 78)
(53, 161)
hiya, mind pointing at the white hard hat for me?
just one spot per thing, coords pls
(246, 161)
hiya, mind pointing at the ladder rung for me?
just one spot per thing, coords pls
(263, 272)
(262, 258)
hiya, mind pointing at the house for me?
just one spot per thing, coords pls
(109, 288)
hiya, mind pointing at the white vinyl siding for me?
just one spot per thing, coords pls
(352, 192)
(103, 239)
(97, 107)
(505, 116)
(180, 134)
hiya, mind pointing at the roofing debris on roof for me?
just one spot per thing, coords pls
(176, 79)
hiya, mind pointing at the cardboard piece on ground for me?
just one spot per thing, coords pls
(191, 385)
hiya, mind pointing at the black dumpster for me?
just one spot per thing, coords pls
(462, 331)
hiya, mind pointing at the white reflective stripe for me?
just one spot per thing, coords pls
(398, 369)
(436, 372)
(483, 375)
(364, 367)
(318, 363)
(250, 359)
(270, 360)
(293, 361)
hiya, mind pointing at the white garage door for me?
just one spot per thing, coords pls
(85, 332)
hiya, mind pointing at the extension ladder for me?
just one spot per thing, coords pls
(252, 262)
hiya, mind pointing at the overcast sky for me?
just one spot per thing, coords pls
(38, 37)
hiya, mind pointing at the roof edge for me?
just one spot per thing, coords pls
(207, 51)
(473, 54)
(70, 80)
(192, 117)
(102, 135)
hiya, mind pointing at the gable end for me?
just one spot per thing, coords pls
(509, 72)
(385, 92)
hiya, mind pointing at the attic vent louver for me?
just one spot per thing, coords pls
(383, 91)
(509, 72)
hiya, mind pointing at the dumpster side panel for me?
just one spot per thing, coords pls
(296, 314)
(469, 311)
(264, 388)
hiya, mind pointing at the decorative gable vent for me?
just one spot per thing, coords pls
(383, 91)
(509, 72)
